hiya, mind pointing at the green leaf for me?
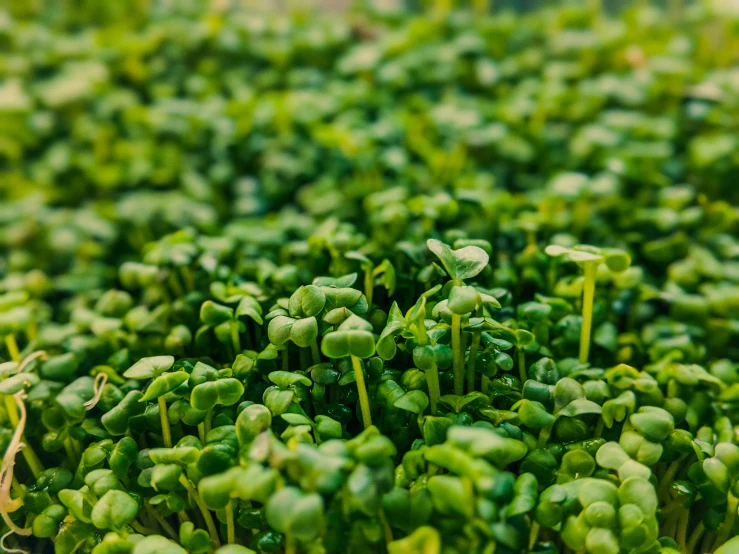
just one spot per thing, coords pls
(148, 368)
(114, 510)
(461, 264)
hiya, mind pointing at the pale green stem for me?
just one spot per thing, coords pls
(682, 530)
(29, 454)
(162, 522)
(369, 286)
(230, 528)
(235, 340)
(315, 353)
(485, 384)
(666, 481)
(598, 429)
(140, 529)
(432, 380)
(522, 365)
(362, 389)
(728, 525)
(588, 295)
(290, 546)
(12, 346)
(166, 433)
(533, 535)
(544, 435)
(695, 536)
(209, 523)
(208, 423)
(457, 358)
(471, 362)
(201, 432)
(385, 526)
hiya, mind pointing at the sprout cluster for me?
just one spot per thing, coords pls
(439, 283)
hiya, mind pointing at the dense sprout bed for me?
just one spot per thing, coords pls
(370, 283)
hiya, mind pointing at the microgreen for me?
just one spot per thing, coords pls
(430, 280)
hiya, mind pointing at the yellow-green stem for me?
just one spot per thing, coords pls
(369, 286)
(471, 362)
(187, 277)
(32, 331)
(544, 435)
(208, 424)
(682, 530)
(727, 526)
(457, 359)
(163, 523)
(385, 526)
(315, 353)
(12, 346)
(141, 529)
(533, 535)
(522, 365)
(485, 384)
(175, 285)
(588, 294)
(695, 536)
(666, 481)
(230, 528)
(362, 389)
(599, 428)
(290, 546)
(166, 433)
(209, 523)
(29, 454)
(69, 449)
(201, 433)
(235, 340)
(432, 380)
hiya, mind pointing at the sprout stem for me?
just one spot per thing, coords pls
(598, 429)
(457, 358)
(230, 529)
(208, 424)
(544, 435)
(29, 454)
(432, 380)
(667, 479)
(485, 384)
(315, 353)
(162, 522)
(682, 530)
(588, 294)
(695, 536)
(385, 526)
(290, 546)
(369, 286)
(471, 362)
(235, 340)
(522, 365)
(187, 277)
(12, 346)
(139, 528)
(201, 432)
(363, 398)
(209, 523)
(304, 359)
(175, 285)
(728, 525)
(533, 535)
(166, 433)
